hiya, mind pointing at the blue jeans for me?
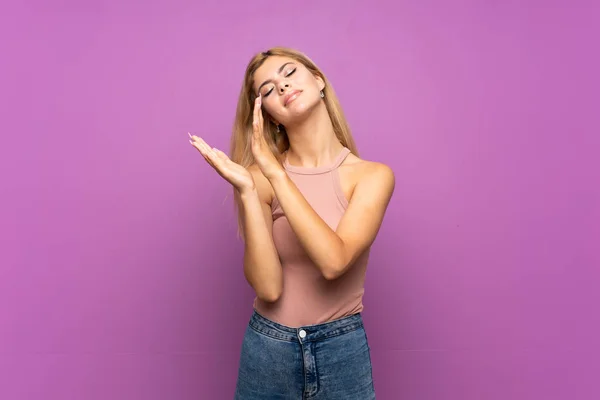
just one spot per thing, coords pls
(329, 361)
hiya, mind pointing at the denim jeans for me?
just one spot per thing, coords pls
(328, 361)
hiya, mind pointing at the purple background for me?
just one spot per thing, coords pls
(120, 271)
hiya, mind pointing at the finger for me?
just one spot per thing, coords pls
(193, 137)
(220, 154)
(259, 113)
(200, 140)
(257, 106)
(209, 150)
(203, 152)
(255, 138)
(214, 161)
(199, 144)
(213, 156)
(255, 116)
(201, 148)
(255, 130)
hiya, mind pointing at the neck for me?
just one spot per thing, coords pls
(313, 142)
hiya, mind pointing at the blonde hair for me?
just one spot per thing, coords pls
(240, 145)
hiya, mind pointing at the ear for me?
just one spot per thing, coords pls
(320, 82)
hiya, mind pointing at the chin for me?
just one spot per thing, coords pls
(299, 109)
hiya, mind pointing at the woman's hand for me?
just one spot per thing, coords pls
(233, 173)
(266, 161)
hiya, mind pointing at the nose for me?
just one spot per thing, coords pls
(283, 87)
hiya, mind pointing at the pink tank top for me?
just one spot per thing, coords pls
(307, 297)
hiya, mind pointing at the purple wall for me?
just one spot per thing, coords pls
(120, 273)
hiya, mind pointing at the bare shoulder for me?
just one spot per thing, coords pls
(376, 176)
(366, 169)
(263, 186)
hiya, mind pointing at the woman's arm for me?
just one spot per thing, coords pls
(262, 268)
(334, 251)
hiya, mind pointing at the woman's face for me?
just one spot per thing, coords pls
(288, 89)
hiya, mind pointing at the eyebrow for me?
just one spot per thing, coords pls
(278, 71)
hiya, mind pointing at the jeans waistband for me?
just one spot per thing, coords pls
(308, 333)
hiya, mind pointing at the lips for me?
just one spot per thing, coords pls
(291, 96)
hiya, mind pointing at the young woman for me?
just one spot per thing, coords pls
(309, 210)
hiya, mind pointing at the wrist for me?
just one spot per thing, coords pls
(248, 193)
(277, 176)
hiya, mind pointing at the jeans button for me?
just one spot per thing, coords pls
(302, 333)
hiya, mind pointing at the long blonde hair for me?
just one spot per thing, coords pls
(240, 145)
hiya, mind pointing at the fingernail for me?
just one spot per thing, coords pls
(189, 134)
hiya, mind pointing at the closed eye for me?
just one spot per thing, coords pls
(289, 73)
(268, 93)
